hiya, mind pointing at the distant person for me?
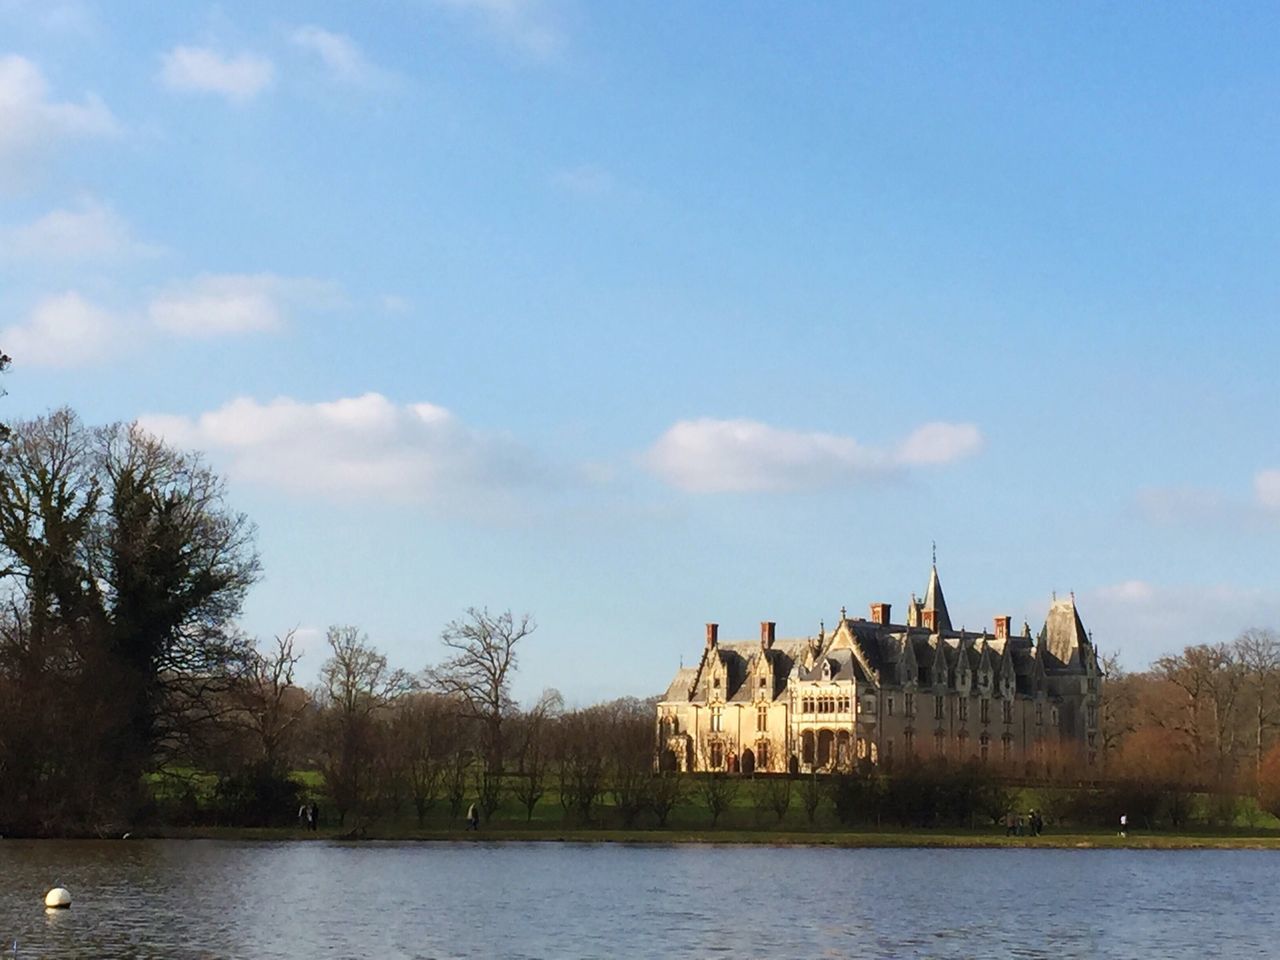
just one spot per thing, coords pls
(304, 816)
(1124, 825)
(473, 818)
(313, 817)
(1037, 823)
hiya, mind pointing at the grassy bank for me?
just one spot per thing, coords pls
(994, 839)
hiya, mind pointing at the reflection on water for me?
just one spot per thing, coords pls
(217, 899)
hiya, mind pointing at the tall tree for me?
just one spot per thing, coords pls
(356, 687)
(478, 673)
(1258, 653)
(127, 568)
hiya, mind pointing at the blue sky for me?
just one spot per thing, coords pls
(639, 316)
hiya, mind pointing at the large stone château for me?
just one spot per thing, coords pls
(879, 691)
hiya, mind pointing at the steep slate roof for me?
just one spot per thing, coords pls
(1063, 637)
(935, 601)
(879, 652)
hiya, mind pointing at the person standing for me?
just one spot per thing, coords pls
(1124, 824)
(313, 817)
(473, 818)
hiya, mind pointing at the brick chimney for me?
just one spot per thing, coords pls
(713, 633)
(880, 613)
(767, 628)
(1002, 627)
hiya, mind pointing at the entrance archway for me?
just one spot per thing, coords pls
(748, 761)
(826, 747)
(806, 747)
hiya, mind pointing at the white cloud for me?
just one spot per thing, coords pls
(87, 230)
(203, 70)
(356, 447)
(340, 54)
(61, 331)
(214, 305)
(523, 24)
(30, 120)
(1266, 487)
(939, 442)
(718, 456)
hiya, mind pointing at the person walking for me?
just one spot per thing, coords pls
(313, 817)
(1124, 824)
(473, 818)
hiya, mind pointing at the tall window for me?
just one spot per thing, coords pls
(937, 707)
(1093, 715)
(1039, 713)
(909, 741)
(717, 719)
(717, 755)
(964, 708)
(910, 705)
(1007, 705)
(889, 706)
(762, 719)
(984, 747)
(986, 710)
(1006, 747)
(762, 755)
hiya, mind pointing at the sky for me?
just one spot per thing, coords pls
(639, 316)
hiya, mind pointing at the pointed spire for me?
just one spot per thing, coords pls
(936, 603)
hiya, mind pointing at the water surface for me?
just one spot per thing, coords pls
(221, 899)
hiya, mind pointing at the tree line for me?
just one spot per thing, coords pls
(1199, 732)
(128, 693)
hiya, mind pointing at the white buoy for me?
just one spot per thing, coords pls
(58, 897)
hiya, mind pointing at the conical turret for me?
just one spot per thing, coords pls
(935, 615)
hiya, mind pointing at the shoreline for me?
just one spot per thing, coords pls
(836, 839)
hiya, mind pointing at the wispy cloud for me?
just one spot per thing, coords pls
(214, 305)
(1266, 489)
(31, 119)
(586, 180)
(525, 25)
(86, 230)
(1142, 620)
(239, 78)
(364, 447)
(65, 330)
(721, 456)
(341, 56)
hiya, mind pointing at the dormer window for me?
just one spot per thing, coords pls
(764, 682)
(716, 683)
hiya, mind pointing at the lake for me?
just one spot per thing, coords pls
(216, 899)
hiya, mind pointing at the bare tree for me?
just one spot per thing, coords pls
(535, 749)
(579, 759)
(477, 675)
(630, 758)
(1258, 653)
(1210, 679)
(268, 703)
(356, 686)
(425, 730)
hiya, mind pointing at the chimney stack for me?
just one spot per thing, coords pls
(766, 634)
(713, 633)
(1002, 627)
(880, 612)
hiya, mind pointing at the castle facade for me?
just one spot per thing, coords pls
(882, 692)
